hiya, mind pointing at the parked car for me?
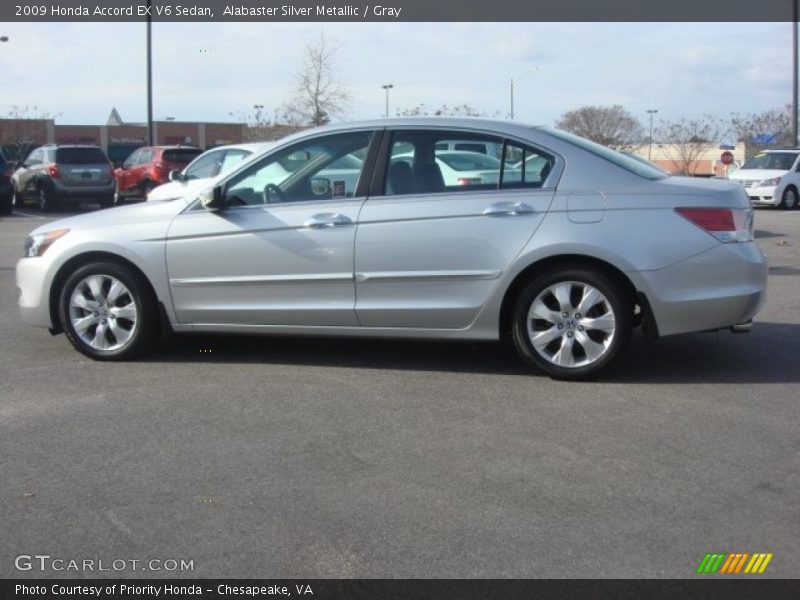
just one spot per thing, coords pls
(466, 168)
(64, 173)
(148, 167)
(771, 178)
(206, 166)
(6, 190)
(566, 265)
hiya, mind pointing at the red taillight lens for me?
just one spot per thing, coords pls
(53, 171)
(725, 224)
(469, 181)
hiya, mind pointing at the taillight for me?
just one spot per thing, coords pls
(725, 224)
(53, 171)
(160, 166)
(469, 181)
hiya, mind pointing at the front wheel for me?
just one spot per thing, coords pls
(107, 311)
(572, 322)
(789, 199)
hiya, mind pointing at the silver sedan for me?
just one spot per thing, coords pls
(566, 253)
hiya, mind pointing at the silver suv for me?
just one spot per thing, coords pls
(51, 174)
(353, 230)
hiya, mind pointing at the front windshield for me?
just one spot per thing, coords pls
(780, 161)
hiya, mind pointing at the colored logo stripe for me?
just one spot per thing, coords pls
(734, 562)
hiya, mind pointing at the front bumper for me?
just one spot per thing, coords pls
(33, 280)
(716, 289)
(763, 196)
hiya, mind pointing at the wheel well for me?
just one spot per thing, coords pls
(563, 260)
(76, 262)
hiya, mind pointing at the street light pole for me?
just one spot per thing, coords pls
(387, 87)
(149, 77)
(795, 67)
(651, 112)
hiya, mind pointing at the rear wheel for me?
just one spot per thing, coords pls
(6, 205)
(789, 199)
(107, 311)
(572, 322)
(44, 198)
(147, 187)
(108, 201)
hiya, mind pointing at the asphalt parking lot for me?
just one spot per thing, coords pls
(277, 457)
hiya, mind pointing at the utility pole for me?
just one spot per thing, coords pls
(651, 112)
(149, 75)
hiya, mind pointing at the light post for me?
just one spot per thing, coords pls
(149, 76)
(387, 87)
(651, 112)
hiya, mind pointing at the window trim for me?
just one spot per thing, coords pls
(378, 184)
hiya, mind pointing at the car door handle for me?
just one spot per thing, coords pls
(508, 209)
(324, 220)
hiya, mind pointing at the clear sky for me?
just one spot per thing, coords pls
(207, 71)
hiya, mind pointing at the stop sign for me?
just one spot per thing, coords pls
(727, 158)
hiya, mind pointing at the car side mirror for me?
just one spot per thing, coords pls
(175, 175)
(212, 198)
(321, 187)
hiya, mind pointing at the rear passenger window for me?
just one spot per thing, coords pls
(431, 162)
(525, 167)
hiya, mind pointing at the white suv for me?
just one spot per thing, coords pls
(771, 178)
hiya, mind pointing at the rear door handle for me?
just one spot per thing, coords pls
(325, 220)
(508, 209)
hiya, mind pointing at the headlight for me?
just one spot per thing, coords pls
(770, 182)
(36, 245)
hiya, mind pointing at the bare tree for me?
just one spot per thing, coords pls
(319, 95)
(22, 130)
(762, 130)
(611, 126)
(459, 110)
(684, 141)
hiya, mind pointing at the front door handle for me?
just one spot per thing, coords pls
(326, 220)
(508, 209)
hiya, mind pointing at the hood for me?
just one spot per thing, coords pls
(755, 174)
(177, 189)
(145, 212)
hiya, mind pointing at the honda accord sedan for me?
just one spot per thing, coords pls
(566, 257)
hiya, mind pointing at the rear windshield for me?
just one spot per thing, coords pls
(80, 156)
(638, 167)
(181, 155)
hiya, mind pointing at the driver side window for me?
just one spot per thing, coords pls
(320, 169)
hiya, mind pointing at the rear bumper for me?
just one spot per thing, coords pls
(716, 289)
(63, 192)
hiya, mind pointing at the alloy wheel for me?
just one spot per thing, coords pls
(571, 324)
(103, 312)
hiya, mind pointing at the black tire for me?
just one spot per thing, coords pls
(107, 201)
(6, 205)
(578, 279)
(142, 331)
(44, 198)
(16, 200)
(147, 187)
(789, 198)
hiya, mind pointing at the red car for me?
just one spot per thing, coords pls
(149, 167)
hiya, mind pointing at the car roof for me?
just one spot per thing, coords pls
(251, 146)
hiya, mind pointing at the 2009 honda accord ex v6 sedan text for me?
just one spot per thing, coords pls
(356, 230)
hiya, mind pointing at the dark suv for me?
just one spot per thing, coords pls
(6, 191)
(149, 167)
(70, 173)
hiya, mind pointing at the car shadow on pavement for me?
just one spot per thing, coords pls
(768, 354)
